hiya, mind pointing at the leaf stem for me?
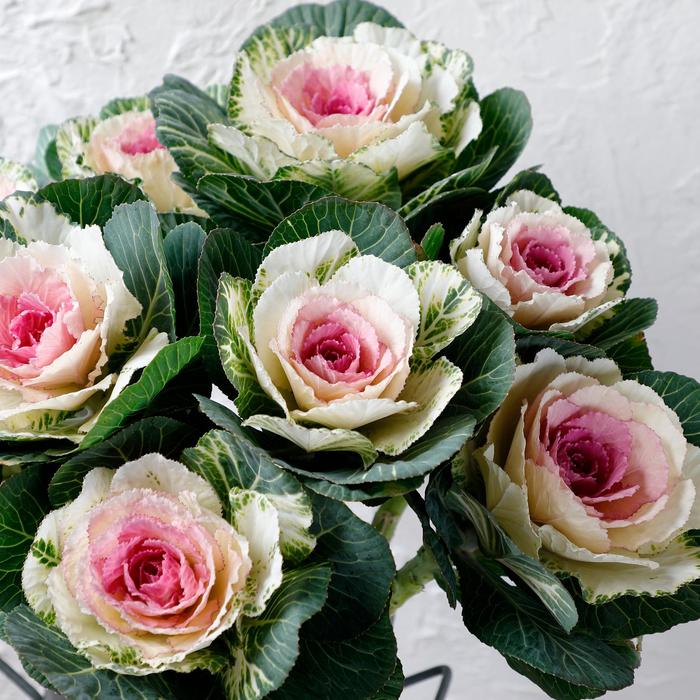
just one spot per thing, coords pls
(412, 578)
(387, 516)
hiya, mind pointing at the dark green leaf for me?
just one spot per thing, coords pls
(486, 355)
(631, 355)
(363, 570)
(393, 688)
(119, 105)
(223, 251)
(338, 18)
(137, 397)
(553, 686)
(183, 113)
(531, 180)
(91, 200)
(23, 505)
(507, 123)
(46, 165)
(183, 246)
(47, 650)
(528, 346)
(375, 229)
(681, 394)
(154, 434)
(233, 198)
(432, 241)
(134, 239)
(353, 669)
(267, 646)
(364, 493)
(628, 318)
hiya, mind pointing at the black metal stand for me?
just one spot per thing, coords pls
(19, 681)
(444, 672)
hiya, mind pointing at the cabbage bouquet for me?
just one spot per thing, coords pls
(247, 327)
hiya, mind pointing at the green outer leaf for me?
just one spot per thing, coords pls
(232, 198)
(337, 18)
(231, 325)
(495, 544)
(681, 394)
(353, 669)
(47, 650)
(600, 232)
(223, 417)
(394, 686)
(508, 619)
(463, 179)
(486, 355)
(447, 580)
(553, 686)
(182, 247)
(529, 345)
(166, 365)
(375, 229)
(224, 251)
(154, 434)
(119, 105)
(629, 317)
(183, 113)
(432, 241)
(267, 647)
(91, 200)
(134, 239)
(23, 505)
(632, 616)
(631, 355)
(366, 492)
(230, 461)
(46, 165)
(531, 180)
(507, 120)
(363, 570)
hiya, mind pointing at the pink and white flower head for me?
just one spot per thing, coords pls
(537, 263)
(344, 342)
(125, 144)
(15, 177)
(593, 474)
(145, 570)
(63, 310)
(362, 104)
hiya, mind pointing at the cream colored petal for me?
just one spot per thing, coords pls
(274, 314)
(155, 472)
(353, 412)
(553, 503)
(467, 239)
(473, 267)
(318, 256)
(507, 502)
(36, 221)
(430, 387)
(526, 200)
(384, 280)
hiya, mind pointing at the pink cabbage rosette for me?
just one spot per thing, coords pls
(63, 310)
(141, 571)
(592, 474)
(124, 143)
(15, 177)
(538, 264)
(342, 345)
(345, 111)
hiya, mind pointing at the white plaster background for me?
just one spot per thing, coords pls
(615, 91)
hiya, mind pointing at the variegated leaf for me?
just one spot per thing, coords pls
(449, 305)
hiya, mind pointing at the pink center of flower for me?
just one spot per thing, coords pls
(144, 570)
(547, 256)
(38, 323)
(317, 93)
(139, 140)
(336, 343)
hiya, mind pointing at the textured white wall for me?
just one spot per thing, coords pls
(615, 90)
